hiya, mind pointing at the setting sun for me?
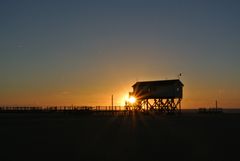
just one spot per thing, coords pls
(132, 100)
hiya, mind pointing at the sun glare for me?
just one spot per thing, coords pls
(132, 99)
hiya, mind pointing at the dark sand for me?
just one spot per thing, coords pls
(58, 137)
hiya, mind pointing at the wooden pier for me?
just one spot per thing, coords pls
(85, 110)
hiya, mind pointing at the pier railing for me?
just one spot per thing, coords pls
(60, 108)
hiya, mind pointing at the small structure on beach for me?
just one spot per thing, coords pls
(161, 95)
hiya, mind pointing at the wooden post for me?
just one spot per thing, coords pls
(216, 105)
(112, 102)
(180, 106)
(147, 104)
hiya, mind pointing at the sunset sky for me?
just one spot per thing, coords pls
(80, 52)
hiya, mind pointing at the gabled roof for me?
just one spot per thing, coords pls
(159, 83)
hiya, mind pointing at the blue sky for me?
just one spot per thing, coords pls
(82, 52)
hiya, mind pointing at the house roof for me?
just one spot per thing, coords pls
(159, 83)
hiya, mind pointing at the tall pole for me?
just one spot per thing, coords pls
(112, 101)
(216, 105)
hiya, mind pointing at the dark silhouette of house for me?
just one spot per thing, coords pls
(163, 95)
(158, 89)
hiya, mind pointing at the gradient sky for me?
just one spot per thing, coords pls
(80, 52)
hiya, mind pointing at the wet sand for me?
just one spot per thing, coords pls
(193, 137)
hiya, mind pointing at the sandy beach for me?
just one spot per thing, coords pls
(189, 136)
